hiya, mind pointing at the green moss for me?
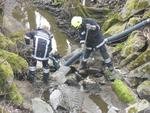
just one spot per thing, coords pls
(6, 43)
(110, 21)
(14, 95)
(6, 72)
(123, 92)
(131, 45)
(133, 6)
(17, 63)
(143, 58)
(133, 21)
(115, 29)
(142, 4)
(118, 47)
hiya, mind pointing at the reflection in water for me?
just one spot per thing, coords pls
(40, 21)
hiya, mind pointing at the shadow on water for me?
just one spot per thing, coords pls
(99, 102)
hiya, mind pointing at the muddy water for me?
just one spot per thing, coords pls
(100, 102)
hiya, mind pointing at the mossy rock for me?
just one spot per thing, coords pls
(6, 43)
(140, 60)
(6, 75)
(146, 14)
(123, 92)
(133, 6)
(116, 28)
(134, 43)
(18, 64)
(113, 19)
(129, 59)
(142, 71)
(14, 95)
(132, 21)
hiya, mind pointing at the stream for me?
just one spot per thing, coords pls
(32, 18)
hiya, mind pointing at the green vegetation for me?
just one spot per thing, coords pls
(6, 43)
(133, 6)
(17, 63)
(14, 95)
(123, 92)
(6, 73)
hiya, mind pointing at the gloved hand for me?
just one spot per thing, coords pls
(106, 40)
(89, 26)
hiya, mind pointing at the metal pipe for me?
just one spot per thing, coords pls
(119, 36)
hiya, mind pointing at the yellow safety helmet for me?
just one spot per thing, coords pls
(76, 21)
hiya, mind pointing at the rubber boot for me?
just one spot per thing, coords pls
(45, 78)
(31, 76)
(82, 67)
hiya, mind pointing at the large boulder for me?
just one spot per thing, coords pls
(143, 90)
(132, 7)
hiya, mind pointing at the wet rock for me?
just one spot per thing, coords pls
(141, 72)
(90, 85)
(143, 90)
(60, 74)
(39, 106)
(67, 98)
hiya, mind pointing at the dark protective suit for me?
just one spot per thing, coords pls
(94, 40)
(41, 49)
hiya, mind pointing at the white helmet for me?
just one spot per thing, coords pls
(45, 27)
(76, 21)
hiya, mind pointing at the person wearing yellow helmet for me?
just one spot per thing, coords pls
(76, 21)
(91, 39)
